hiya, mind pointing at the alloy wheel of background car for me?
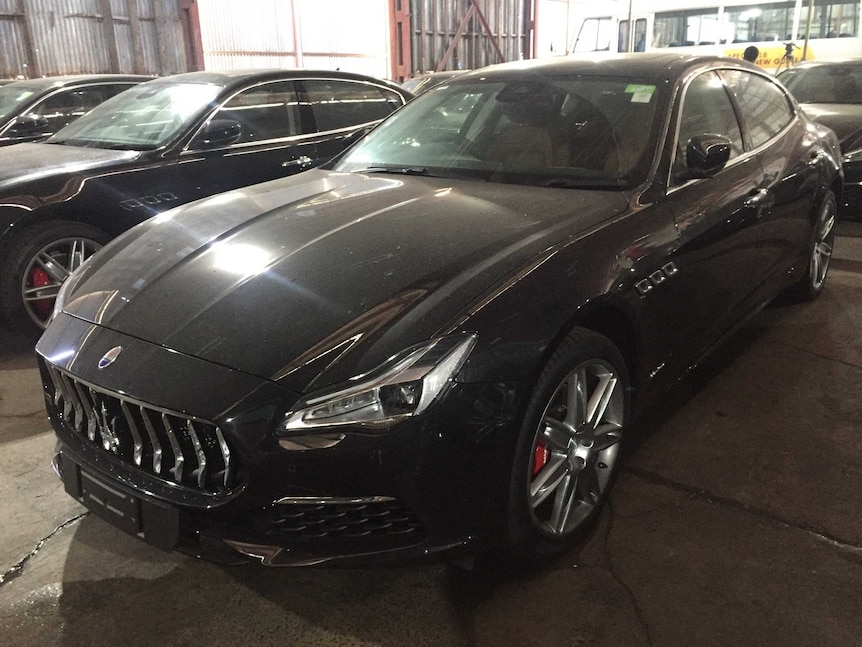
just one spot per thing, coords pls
(819, 254)
(570, 445)
(824, 239)
(42, 259)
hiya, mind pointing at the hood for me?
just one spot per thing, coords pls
(843, 118)
(25, 162)
(276, 277)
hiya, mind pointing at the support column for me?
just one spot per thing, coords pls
(399, 31)
(109, 36)
(33, 66)
(163, 38)
(138, 64)
(191, 20)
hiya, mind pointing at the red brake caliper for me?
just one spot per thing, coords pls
(40, 279)
(540, 458)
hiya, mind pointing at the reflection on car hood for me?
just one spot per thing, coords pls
(273, 277)
(24, 162)
(844, 118)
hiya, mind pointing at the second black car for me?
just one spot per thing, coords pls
(162, 144)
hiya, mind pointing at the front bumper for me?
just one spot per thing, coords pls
(432, 484)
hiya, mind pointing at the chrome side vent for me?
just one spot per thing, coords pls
(172, 446)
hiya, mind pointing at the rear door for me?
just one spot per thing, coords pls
(788, 156)
(342, 110)
(273, 142)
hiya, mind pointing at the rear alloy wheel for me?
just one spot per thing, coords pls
(823, 240)
(570, 446)
(38, 266)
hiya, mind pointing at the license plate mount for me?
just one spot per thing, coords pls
(154, 522)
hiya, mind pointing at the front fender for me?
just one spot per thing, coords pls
(14, 217)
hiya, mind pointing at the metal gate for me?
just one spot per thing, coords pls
(467, 34)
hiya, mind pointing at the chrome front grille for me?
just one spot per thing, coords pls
(176, 448)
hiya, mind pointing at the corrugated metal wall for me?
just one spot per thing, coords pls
(350, 35)
(51, 37)
(434, 24)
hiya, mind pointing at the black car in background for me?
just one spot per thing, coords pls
(439, 341)
(164, 143)
(831, 93)
(35, 109)
(424, 82)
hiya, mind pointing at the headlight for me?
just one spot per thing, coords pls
(404, 386)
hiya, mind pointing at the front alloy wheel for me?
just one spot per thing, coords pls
(570, 445)
(576, 447)
(48, 270)
(35, 262)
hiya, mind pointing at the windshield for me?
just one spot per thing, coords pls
(824, 83)
(548, 131)
(145, 117)
(12, 97)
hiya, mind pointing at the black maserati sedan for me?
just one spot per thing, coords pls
(162, 144)
(34, 109)
(441, 340)
(830, 92)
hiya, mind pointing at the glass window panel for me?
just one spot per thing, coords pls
(678, 28)
(265, 112)
(595, 35)
(344, 104)
(707, 109)
(766, 109)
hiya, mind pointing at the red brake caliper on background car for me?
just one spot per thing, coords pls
(39, 278)
(540, 458)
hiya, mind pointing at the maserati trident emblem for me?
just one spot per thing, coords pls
(110, 438)
(109, 357)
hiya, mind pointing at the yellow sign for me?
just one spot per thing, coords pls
(770, 57)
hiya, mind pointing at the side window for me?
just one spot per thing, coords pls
(345, 104)
(639, 42)
(595, 35)
(63, 107)
(115, 89)
(766, 109)
(706, 109)
(264, 112)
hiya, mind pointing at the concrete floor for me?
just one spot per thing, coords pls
(736, 521)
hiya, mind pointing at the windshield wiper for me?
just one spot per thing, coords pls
(90, 143)
(584, 183)
(424, 171)
(400, 170)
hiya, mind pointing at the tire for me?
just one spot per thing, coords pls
(567, 457)
(819, 251)
(36, 263)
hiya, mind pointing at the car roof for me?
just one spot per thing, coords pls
(236, 78)
(650, 65)
(52, 82)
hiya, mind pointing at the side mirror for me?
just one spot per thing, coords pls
(706, 155)
(220, 132)
(28, 126)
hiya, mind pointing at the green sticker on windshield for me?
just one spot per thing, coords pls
(640, 93)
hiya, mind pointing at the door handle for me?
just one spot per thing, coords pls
(299, 161)
(761, 201)
(756, 197)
